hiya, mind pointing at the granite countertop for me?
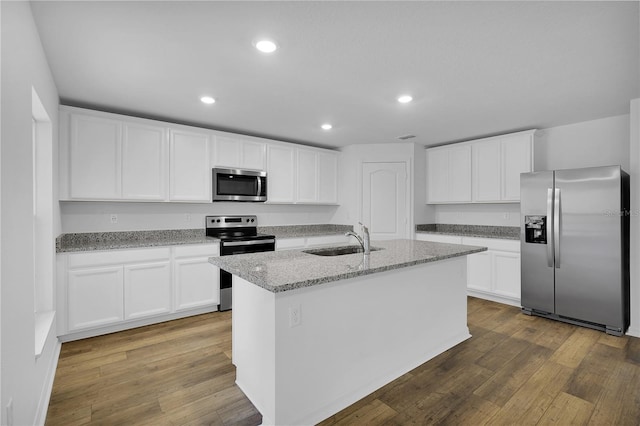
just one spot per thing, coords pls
(91, 241)
(292, 269)
(299, 231)
(480, 231)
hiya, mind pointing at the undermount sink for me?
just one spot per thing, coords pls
(337, 251)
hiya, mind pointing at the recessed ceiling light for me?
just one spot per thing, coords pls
(326, 126)
(207, 100)
(405, 99)
(266, 46)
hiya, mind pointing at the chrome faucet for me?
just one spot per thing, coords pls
(364, 240)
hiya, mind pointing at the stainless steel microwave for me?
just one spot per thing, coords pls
(239, 185)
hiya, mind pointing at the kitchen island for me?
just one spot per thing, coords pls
(313, 334)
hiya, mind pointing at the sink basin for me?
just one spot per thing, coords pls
(337, 251)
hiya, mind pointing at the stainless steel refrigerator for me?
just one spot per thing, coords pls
(574, 239)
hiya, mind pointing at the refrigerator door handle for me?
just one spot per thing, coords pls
(549, 229)
(556, 227)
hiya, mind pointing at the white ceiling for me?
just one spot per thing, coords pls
(474, 68)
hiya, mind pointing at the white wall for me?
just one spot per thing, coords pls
(603, 142)
(634, 172)
(81, 216)
(25, 379)
(350, 179)
(599, 142)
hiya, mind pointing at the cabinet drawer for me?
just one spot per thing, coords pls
(98, 258)
(197, 250)
(493, 243)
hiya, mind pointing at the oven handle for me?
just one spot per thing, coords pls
(247, 243)
(259, 186)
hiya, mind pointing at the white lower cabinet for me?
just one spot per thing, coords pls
(493, 274)
(506, 279)
(106, 291)
(197, 282)
(437, 238)
(94, 297)
(147, 289)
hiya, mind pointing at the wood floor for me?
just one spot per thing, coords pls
(515, 369)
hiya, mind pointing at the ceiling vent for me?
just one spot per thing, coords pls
(405, 137)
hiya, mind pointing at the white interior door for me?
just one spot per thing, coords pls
(384, 200)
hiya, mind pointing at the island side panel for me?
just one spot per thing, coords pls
(356, 335)
(253, 343)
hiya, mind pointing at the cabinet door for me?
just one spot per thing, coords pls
(307, 178)
(228, 152)
(328, 178)
(95, 153)
(147, 289)
(197, 283)
(460, 174)
(486, 171)
(290, 243)
(253, 155)
(95, 297)
(437, 175)
(190, 174)
(516, 159)
(479, 271)
(144, 162)
(280, 174)
(436, 238)
(506, 266)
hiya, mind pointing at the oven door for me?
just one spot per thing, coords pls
(239, 185)
(230, 247)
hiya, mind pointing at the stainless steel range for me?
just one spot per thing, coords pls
(238, 235)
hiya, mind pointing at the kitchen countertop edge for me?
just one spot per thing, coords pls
(245, 271)
(473, 231)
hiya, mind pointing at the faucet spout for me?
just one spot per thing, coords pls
(364, 240)
(357, 237)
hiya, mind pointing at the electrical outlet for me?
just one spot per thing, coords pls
(10, 412)
(187, 217)
(505, 216)
(114, 218)
(294, 316)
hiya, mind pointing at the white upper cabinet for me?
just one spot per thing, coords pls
(517, 157)
(144, 162)
(328, 178)
(307, 176)
(486, 171)
(437, 175)
(481, 171)
(460, 174)
(301, 175)
(449, 174)
(107, 157)
(190, 172)
(281, 174)
(239, 153)
(94, 156)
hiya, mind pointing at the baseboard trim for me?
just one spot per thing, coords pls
(45, 395)
(494, 297)
(635, 332)
(98, 331)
